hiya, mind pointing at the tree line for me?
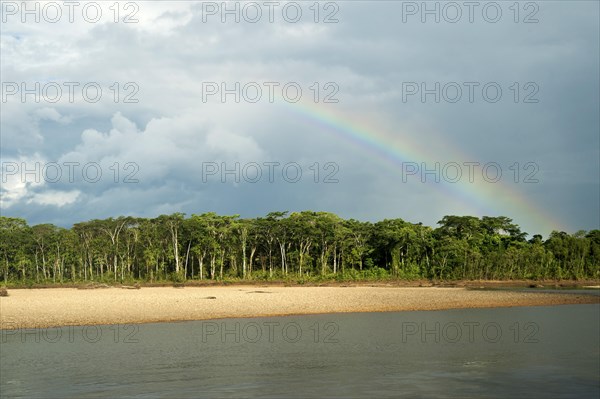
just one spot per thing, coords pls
(281, 245)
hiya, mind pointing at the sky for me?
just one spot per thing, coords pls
(367, 109)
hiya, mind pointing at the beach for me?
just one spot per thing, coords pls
(40, 308)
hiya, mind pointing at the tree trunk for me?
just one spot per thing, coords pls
(187, 255)
(252, 251)
(44, 265)
(244, 259)
(283, 265)
(334, 259)
(213, 265)
(37, 268)
(200, 263)
(175, 240)
(222, 262)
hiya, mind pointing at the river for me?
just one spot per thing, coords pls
(501, 352)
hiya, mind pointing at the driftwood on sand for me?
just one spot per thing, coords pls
(93, 286)
(136, 286)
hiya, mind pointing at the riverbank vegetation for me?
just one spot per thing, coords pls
(301, 247)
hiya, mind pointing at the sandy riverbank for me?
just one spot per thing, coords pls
(66, 306)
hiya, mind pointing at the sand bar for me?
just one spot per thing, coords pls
(38, 308)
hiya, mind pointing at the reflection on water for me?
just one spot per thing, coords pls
(506, 352)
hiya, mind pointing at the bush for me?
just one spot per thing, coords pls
(350, 274)
(177, 277)
(376, 273)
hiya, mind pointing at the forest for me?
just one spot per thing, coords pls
(299, 246)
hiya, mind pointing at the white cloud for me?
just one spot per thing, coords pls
(52, 114)
(54, 198)
(27, 180)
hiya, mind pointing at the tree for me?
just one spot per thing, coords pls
(303, 228)
(44, 236)
(282, 232)
(172, 224)
(309, 244)
(266, 228)
(357, 241)
(15, 236)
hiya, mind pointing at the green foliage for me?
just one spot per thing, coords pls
(299, 248)
(177, 277)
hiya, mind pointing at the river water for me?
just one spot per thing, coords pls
(502, 352)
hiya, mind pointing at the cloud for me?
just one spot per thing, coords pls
(151, 150)
(54, 198)
(52, 114)
(26, 181)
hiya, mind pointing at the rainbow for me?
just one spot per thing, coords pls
(394, 149)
